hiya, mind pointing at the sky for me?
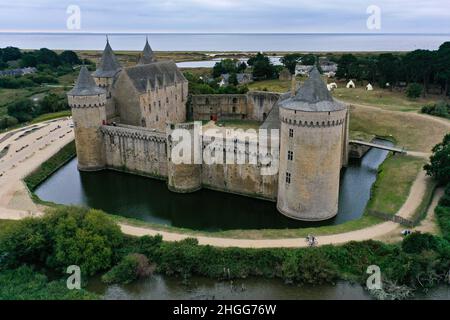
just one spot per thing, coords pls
(209, 16)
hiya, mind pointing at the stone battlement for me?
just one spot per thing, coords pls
(134, 133)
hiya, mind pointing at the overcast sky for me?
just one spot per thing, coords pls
(404, 16)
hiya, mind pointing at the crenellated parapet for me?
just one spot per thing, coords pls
(135, 133)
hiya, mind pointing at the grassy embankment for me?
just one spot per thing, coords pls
(50, 166)
(395, 178)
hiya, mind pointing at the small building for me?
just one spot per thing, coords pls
(302, 70)
(18, 72)
(369, 87)
(242, 78)
(351, 85)
(285, 75)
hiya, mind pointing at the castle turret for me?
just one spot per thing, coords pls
(313, 128)
(147, 54)
(88, 103)
(184, 165)
(107, 71)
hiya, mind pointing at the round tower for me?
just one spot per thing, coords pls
(184, 157)
(311, 152)
(88, 112)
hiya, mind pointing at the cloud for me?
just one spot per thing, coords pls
(227, 15)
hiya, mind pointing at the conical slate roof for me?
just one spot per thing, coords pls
(313, 96)
(147, 55)
(85, 85)
(108, 66)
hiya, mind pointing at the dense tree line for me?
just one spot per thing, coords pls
(424, 67)
(24, 110)
(36, 58)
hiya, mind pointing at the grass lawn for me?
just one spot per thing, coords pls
(385, 99)
(50, 166)
(51, 116)
(395, 178)
(270, 85)
(407, 130)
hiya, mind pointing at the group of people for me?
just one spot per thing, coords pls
(311, 240)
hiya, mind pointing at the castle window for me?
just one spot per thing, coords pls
(159, 103)
(290, 155)
(157, 119)
(167, 100)
(235, 100)
(234, 109)
(291, 133)
(176, 97)
(288, 178)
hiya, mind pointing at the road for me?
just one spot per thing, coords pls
(27, 148)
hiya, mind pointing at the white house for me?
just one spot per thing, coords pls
(369, 87)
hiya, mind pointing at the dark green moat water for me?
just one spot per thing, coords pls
(150, 200)
(168, 288)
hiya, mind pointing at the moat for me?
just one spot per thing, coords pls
(149, 200)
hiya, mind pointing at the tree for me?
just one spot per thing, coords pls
(225, 66)
(309, 60)
(388, 67)
(414, 90)
(290, 61)
(443, 66)
(233, 80)
(52, 103)
(419, 66)
(22, 110)
(69, 57)
(439, 166)
(66, 236)
(344, 65)
(262, 67)
(10, 54)
(46, 56)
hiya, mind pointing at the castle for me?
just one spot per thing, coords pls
(124, 119)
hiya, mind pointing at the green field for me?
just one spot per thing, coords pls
(406, 130)
(395, 178)
(382, 98)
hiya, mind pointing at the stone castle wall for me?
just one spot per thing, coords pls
(254, 105)
(142, 151)
(135, 150)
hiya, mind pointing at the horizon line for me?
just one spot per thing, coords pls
(218, 33)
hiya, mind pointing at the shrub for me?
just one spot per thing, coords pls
(131, 267)
(418, 242)
(439, 166)
(414, 90)
(66, 236)
(26, 284)
(443, 216)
